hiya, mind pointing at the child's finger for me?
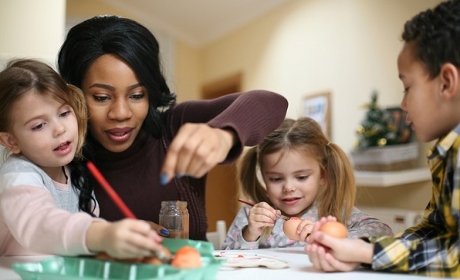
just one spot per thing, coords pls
(305, 228)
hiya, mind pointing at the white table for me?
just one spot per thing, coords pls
(299, 268)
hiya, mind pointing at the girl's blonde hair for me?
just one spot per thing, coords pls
(305, 136)
(22, 76)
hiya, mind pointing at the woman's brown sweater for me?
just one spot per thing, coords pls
(135, 173)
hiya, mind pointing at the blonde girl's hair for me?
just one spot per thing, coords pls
(305, 136)
(22, 76)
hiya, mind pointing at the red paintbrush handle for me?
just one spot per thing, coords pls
(245, 202)
(110, 191)
(252, 204)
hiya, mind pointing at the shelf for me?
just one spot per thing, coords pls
(391, 178)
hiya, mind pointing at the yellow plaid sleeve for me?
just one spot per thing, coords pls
(432, 247)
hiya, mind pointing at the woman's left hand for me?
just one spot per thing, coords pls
(195, 150)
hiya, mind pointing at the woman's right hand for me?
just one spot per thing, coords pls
(124, 239)
(261, 215)
(195, 150)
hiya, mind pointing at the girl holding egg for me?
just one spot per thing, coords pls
(305, 177)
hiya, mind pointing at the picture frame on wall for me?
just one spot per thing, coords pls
(318, 107)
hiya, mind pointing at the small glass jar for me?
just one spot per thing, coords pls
(174, 217)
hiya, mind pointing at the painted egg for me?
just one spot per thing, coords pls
(335, 229)
(290, 228)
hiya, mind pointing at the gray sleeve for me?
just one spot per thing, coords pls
(363, 225)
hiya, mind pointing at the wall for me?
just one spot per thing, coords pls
(346, 46)
(33, 29)
(189, 72)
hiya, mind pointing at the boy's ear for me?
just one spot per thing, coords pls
(7, 140)
(449, 75)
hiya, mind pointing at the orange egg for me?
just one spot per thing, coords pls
(335, 229)
(290, 228)
(187, 257)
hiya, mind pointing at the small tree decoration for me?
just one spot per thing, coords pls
(378, 128)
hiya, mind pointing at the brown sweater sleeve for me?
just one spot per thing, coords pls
(252, 115)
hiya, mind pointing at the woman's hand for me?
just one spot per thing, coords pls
(124, 239)
(261, 215)
(195, 150)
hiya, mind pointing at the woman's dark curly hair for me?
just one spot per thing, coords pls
(130, 41)
(436, 33)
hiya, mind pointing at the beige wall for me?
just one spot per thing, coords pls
(32, 29)
(346, 46)
(188, 77)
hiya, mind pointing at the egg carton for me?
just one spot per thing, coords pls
(73, 268)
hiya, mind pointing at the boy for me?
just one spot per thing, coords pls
(429, 68)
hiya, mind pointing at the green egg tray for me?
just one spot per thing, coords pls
(70, 268)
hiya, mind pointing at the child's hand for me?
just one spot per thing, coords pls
(127, 238)
(304, 229)
(261, 215)
(318, 225)
(328, 253)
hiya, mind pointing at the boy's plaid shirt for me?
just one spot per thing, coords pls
(432, 247)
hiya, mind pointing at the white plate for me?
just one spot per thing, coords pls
(235, 260)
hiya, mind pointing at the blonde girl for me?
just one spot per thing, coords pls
(304, 175)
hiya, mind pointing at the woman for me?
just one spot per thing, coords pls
(139, 137)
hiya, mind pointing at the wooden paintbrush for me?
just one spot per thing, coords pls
(252, 204)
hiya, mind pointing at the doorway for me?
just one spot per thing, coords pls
(221, 184)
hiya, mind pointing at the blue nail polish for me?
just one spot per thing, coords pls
(164, 232)
(164, 179)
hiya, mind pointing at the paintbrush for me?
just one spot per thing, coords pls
(252, 204)
(120, 204)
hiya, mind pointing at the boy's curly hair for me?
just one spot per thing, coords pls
(436, 33)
